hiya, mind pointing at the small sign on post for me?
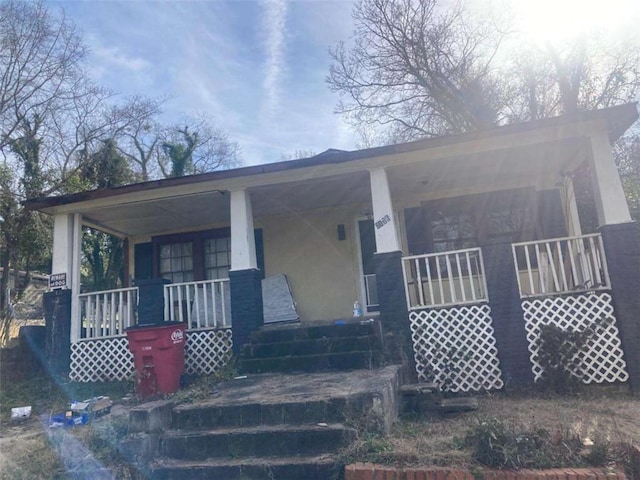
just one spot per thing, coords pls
(57, 280)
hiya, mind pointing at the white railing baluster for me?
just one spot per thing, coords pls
(565, 284)
(586, 261)
(202, 300)
(419, 281)
(429, 281)
(593, 254)
(552, 266)
(541, 274)
(532, 286)
(461, 279)
(451, 285)
(107, 313)
(472, 281)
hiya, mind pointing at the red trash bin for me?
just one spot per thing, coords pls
(158, 357)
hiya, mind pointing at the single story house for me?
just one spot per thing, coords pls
(467, 242)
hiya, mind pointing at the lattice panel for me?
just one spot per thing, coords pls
(602, 360)
(456, 348)
(101, 360)
(109, 359)
(207, 351)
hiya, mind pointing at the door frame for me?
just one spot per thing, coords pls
(361, 282)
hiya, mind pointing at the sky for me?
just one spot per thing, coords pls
(256, 68)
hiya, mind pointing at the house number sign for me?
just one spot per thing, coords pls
(382, 222)
(58, 280)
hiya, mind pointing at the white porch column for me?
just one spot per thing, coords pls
(383, 217)
(243, 243)
(75, 277)
(67, 248)
(572, 219)
(62, 261)
(610, 200)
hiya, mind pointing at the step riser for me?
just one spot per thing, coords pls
(312, 347)
(253, 472)
(251, 415)
(313, 363)
(315, 332)
(255, 444)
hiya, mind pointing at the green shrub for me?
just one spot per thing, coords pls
(500, 444)
(559, 354)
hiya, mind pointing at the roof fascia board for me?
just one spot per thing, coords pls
(401, 154)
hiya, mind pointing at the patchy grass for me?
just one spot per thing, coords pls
(527, 430)
(47, 395)
(30, 450)
(608, 417)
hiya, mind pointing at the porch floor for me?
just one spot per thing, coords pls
(277, 388)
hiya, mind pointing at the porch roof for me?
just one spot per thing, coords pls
(532, 153)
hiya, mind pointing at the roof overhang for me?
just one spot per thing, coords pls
(533, 153)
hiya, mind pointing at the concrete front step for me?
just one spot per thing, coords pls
(313, 363)
(321, 467)
(203, 416)
(313, 346)
(349, 329)
(262, 441)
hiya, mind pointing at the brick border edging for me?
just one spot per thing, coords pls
(370, 471)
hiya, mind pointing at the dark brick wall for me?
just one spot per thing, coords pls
(394, 315)
(507, 314)
(57, 316)
(622, 248)
(246, 305)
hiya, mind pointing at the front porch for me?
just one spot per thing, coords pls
(464, 245)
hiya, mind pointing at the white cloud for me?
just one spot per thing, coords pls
(274, 20)
(112, 57)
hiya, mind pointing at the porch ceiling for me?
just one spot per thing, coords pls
(191, 212)
(540, 165)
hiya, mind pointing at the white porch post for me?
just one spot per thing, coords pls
(383, 218)
(244, 278)
(572, 219)
(610, 200)
(75, 277)
(243, 243)
(62, 261)
(67, 243)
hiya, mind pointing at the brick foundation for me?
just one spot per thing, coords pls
(393, 308)
(622, 248)
(370, 471)
(246, 305)
(507, 314)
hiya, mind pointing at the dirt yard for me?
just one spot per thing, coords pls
(30, 450)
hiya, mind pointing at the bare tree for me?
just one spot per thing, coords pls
(40, 63)
(196, 147)
(141, 138)
(588, 72)
(418, 68)
(423, 69)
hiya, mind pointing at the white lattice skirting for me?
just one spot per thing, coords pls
(207, 351)
(456, 348)
(602, 360)
(109, 359)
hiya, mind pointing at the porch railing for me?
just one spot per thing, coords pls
(561, 265)
(442, 279)
(202, 304)
(107, 313)
(371, 291)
